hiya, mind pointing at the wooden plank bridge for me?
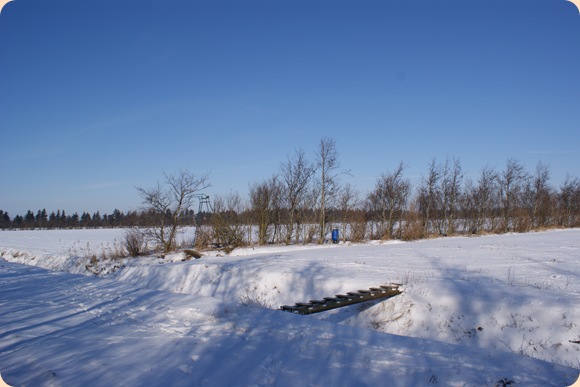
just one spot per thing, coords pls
(340, 300)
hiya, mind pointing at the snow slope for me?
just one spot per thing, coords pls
(475, 311)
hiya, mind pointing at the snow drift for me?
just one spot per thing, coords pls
(475, 311)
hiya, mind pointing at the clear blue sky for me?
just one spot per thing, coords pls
(98, 97)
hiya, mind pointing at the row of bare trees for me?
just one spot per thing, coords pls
(306, 199)
(445, 203)
(294, 204)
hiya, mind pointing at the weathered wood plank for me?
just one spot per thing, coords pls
(340, 300)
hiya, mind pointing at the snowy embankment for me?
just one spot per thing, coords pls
(474, 311)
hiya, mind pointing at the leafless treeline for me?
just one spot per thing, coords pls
(288, 208)
(306, 199)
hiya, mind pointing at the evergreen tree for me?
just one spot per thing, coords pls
(18, 221)
(57, 219)
(29, 220)
(62, 219)
(117, 218)
(52, 220)
(73, 220)
(85, 220)
(41, 218)
(4, 220)
(97, 221)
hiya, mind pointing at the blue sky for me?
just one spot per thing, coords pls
(98, 97)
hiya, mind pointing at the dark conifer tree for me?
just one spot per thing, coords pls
(85, 220)
(5, 222)
(97, 221)
(29, 220)
(62, 219)
(74, 220)
(52, 220)
(18, 221)
(41, 218)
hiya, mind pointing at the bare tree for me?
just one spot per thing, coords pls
(389, 199)
(450, 191)
(537, 197)
(347, 203)
(276, 204)
(227, 225)
(488, 198)
(328, 166)
(478, 201)
(569, 202)
(428, 195)
(511, 184)
(306, 216)
(296, 175)
(263, 200)
(167, 203)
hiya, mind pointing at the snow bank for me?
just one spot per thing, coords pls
(493, 298)
(62, 329)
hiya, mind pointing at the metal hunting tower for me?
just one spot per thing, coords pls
(204, 208)
(203, 199)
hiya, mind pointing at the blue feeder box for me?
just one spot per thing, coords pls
(335, 235)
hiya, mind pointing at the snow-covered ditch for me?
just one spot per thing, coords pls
(475, 311)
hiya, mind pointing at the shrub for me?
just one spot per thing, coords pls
(203, 237)
(135, 242)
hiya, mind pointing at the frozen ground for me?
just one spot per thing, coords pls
(475, 311)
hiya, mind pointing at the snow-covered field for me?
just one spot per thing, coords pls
(492, 310)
